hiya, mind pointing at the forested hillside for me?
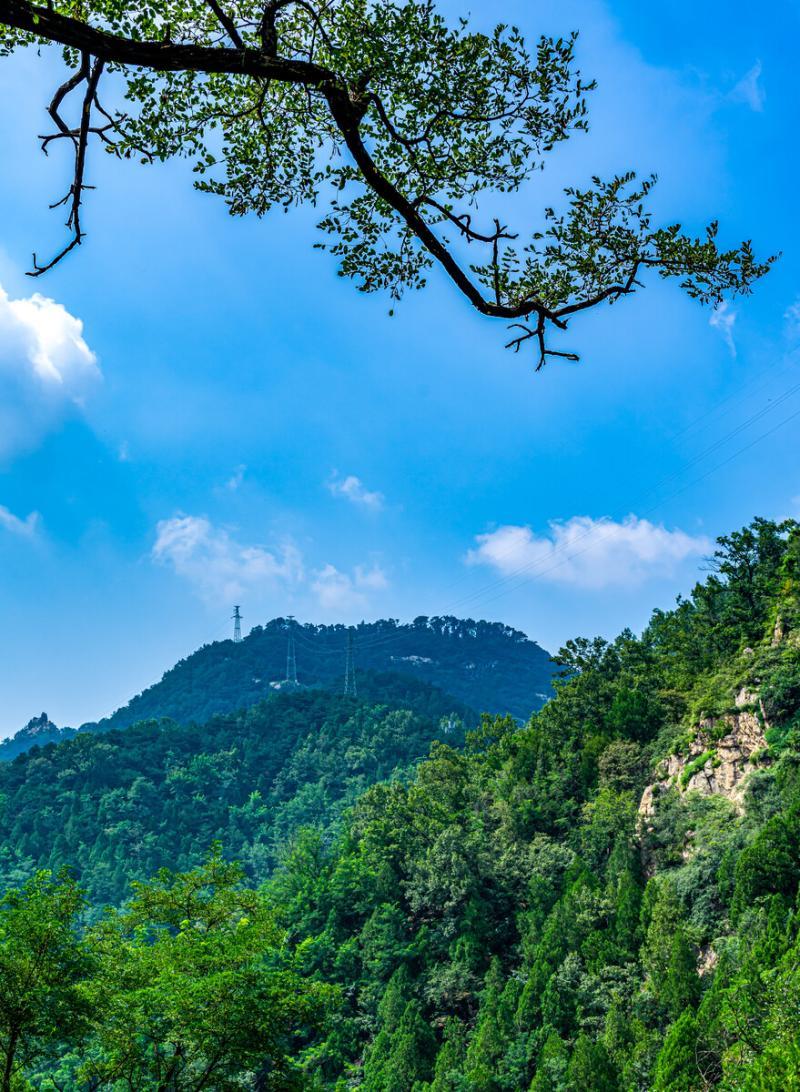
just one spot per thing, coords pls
(485, 665)
(489, 666)
(605, 899)
(118, 806)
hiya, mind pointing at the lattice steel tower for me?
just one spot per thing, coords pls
(291, 657)
(349, 669)
(237, 624)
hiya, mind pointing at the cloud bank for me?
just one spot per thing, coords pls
(223, 570)
(46, 369)
(219, 568)
(749, 90)
(338, 591)
(25, 528)
(588, 553)
(723, 318)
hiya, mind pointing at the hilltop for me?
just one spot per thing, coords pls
(38, 732)
(487, 666)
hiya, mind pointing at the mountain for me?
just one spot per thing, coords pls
(118, 805)
(607, 898)
(36, 733)
(489, 666)
(485, 665)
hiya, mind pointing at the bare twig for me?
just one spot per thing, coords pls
(90, 73)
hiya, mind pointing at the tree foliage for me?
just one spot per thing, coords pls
(406, 125)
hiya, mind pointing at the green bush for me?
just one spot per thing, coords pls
(695, 766)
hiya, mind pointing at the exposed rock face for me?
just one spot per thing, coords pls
(707, 960)
(727, 765)
(38, 731)
(38, 726)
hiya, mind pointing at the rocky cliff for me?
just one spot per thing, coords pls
(719, 759)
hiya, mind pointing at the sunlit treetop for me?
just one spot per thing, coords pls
(408, 128)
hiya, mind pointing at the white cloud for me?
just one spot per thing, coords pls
(46, 369)
(588, 553)
(220, 569)
(354, 490)
(338, 591)
(791, 318)
(223, 570)
(334, 589)
(236, 478)
(26, 527)
(749, 91)
(722, 318)
(373, 578)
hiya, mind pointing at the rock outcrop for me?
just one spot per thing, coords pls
(715, 763)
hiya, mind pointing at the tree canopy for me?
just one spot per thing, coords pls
(404, 124)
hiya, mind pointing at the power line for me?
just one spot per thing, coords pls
(532, 567)
(682, 489)
(771, 405)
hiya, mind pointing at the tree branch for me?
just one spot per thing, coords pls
(486, 289)
(157, 56)
(75, 195)
(227, 23)
(464, 224)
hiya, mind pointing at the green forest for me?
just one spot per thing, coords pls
(118, 806)
(604, 899)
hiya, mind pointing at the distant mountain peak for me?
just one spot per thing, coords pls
(489, 666)
(37, 726)
(38, 731)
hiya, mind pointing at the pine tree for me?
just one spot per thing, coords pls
(488, 1041)
(590, 1068)
(448, 1074)
(676, 1065)
(628, 911)
(411, 1053)
(681, 988)
(551, 1065)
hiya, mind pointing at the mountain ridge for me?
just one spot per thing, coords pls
(488, 666)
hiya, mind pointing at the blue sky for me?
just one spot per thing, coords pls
(233, 423)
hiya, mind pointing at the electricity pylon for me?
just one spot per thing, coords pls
(349, 669)
(291, 659)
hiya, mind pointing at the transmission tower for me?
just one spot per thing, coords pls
(290, 654)
(349, 670)
(237, 624)
(291, 657)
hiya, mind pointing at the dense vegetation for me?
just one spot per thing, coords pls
(118, 806)
(501, 920)
(486, 665)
